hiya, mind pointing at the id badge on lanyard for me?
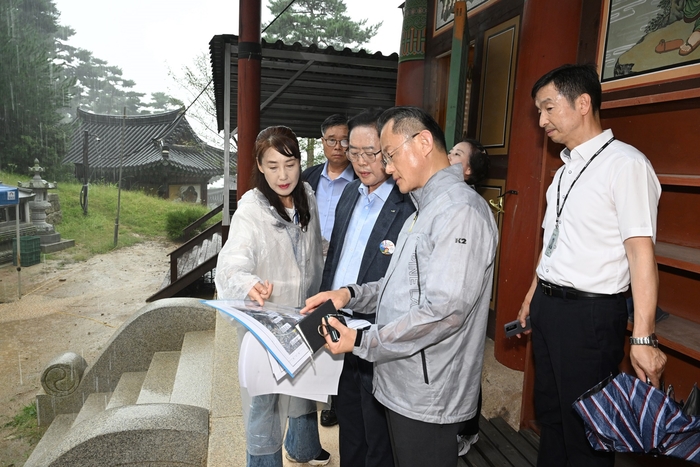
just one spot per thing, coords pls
(552, 244)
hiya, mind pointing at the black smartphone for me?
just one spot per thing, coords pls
(514, 327)
(333, 332)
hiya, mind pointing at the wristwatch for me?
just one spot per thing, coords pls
(648, 340)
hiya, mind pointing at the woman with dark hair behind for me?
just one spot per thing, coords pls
(273, 252)
(475, 166)
(474, 159)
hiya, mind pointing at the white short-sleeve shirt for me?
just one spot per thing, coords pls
(614, 199)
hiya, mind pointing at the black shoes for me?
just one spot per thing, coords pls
(322, 459)
(328, 417)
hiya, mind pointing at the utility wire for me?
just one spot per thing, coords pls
(211, 80)
(280, 14)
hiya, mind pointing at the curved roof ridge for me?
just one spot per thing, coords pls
(142, 119)
(329, 50)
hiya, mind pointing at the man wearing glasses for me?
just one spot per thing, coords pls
(368, 219)
(328, 179)
(432, 304)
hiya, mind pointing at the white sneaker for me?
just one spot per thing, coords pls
(464, 443)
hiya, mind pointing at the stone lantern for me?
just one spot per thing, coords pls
(37, 208)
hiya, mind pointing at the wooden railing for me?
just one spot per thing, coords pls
(188, 246)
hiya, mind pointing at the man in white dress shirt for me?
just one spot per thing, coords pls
(599, 232)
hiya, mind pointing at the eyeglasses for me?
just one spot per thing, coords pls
(331, 142)
(387, 158)
(367, 156)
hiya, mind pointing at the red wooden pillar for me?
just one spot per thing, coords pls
(528, 170)
(248, 112)
(411, 70)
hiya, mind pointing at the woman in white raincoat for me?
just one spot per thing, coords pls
(274, 252)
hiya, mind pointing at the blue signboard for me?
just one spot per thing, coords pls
(9, 195)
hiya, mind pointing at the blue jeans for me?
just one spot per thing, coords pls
(302, 441)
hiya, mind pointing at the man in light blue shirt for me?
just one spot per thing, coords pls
(365, 214)
(368, 218)
(330, 178)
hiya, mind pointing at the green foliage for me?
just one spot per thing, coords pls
(321, 22)
(99, 87)
(176, 221)
(311, 151)
(142, 217)
(32, 89)
(43, 81)
(25, 424)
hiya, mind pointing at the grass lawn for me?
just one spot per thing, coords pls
(142, 217)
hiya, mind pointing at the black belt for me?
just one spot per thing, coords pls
(553, 290)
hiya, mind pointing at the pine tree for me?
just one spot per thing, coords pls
(101, 88)
(320, 22)
(31, 87)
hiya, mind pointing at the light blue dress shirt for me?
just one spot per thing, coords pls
(362, 221)
(327, 196)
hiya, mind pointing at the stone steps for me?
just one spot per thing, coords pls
(181, 378)
(94, 404)
(127, 390)
(160, 378)
(52, 438)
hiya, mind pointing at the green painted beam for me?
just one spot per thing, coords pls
(459, 63)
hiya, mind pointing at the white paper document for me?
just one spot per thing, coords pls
(274, 326)
(274, 358)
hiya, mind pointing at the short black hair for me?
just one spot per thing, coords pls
(368, 117)
(571, 81)
(479, 162)
(333, 120)
(408, 120)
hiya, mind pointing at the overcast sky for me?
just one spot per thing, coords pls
(146, 37)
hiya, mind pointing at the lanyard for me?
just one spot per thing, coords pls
(559, 210)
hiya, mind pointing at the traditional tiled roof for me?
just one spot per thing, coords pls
(150, 142)
(325, 81)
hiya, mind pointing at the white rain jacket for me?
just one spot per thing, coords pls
(432, 305)
(262, 246)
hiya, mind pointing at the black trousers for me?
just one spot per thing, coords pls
(576, 344)
(363, 433)
(422, 444)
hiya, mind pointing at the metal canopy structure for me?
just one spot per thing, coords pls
(301, 86)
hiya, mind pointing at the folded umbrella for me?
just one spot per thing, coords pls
(625, 414)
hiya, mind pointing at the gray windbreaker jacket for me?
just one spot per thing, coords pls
(432, 305)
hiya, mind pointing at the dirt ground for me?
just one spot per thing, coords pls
(78, 306)
(65, 307)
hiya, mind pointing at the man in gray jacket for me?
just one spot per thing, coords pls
(432, 304)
